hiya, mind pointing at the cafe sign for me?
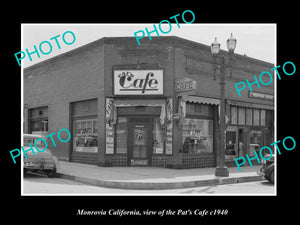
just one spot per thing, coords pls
(138, 82)
(196, 134)
(185, 86)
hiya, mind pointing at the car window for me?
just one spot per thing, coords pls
(27, 141)
(39, 143)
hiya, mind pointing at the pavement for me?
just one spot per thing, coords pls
(152, 178)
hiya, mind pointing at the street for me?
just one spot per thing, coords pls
(40, 185)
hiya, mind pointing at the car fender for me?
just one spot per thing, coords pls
(268, 171)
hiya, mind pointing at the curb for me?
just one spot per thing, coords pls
(161, 185)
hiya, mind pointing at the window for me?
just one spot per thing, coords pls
(248, 116)
(242, 116)
(230, 142)
(158, 137)
(255, 137)
(38, 125)
(39, 120)
(198, 108)
(256, 117)
(263, 117)
(233, 112)
(255, 141)
(85, 135)
(121, 135)
(85, 126)
(197, 136)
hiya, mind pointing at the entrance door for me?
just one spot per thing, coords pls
(140, 144)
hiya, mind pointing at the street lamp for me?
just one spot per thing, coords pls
(219, 62)
(231, 44)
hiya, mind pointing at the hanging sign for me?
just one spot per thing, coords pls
(138, 82)
(169, 127)
(185, 86)
(262, 96)
(109, 128)
(169, 108)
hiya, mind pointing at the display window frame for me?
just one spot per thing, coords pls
(189, 116)
(89, 138)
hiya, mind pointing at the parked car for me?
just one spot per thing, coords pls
(267, 169)
(44, 162)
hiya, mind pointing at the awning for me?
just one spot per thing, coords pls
(139, 102)
(194, 99)
(201, 100)
(250, 105)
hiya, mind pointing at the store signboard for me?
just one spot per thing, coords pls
(139, 162)
(262, 96)
(185, 84)
(138, 82)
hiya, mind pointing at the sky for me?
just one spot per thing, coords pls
(255, 40)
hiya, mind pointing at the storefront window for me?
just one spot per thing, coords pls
(158, 137)
(85, 135)
(121, 135)
(197, 136)
(230, 142)
(255, 141)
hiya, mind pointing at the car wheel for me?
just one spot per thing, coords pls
(51, 173)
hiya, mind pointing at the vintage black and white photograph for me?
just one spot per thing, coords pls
(171, 108)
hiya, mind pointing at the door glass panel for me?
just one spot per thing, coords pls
(140, 142)
(139, 136)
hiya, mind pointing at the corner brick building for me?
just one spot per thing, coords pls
(122, 104)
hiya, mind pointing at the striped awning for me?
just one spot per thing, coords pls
(214, 101)
(250, 105)
(201, 100)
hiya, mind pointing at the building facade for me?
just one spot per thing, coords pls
(156, 104)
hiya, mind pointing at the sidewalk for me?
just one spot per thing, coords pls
(152, 178)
